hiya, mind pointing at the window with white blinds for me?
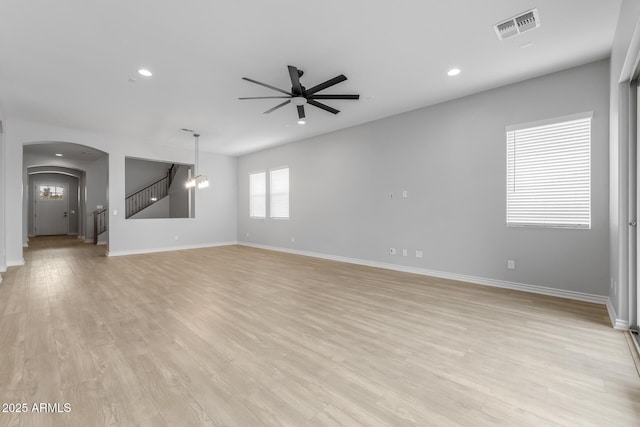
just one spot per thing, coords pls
(549, 173)
(279, 193)
(258, 195)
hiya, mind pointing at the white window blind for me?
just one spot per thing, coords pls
(549, 173)
(258, 195)
(279, 193)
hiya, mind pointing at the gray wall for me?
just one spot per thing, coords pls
(159, 209)
(179, 194)
(213, 221)
(73, 197)
(451, 158)
(139, 173)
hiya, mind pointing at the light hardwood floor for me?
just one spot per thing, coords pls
(237, 336)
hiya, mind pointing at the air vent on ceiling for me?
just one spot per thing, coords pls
(518, 24)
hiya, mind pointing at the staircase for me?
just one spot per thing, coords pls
(150, 194)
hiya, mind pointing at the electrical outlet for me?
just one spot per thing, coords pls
(392, 251)
(293, 239)
(175, 237)
(405, 194)
(405, 252)
(418, 254)
(247, 234)
(390, 195)
(511, 264)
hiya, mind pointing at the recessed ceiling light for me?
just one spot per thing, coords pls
(301, 122)
(453, 72)
(145, 72)
(58, 154)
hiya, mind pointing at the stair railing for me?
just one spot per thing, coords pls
(150, 194)
(99, 224)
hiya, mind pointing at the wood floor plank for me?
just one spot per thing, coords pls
(236, 336)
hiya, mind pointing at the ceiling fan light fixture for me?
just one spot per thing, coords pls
(301, 122)
(299, 96)
(298, 100)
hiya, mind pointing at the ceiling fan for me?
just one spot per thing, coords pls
(299, 95)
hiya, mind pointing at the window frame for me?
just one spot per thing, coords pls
(270, 185)
(262, 172)
(55, 192)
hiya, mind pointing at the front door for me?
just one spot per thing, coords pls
(51, 209)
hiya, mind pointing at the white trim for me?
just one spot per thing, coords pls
(632, 57)
(613, 316)
(52, 172)
(15, 263)
(543, 290)
(169, 248)
(549, 121)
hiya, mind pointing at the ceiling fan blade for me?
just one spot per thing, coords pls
(334, 97)
(277, 106)
(322, 106)
(266, 85)
(295, 80)
(301, 112)
(265, 97)
(328, 83)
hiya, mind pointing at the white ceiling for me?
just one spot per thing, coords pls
(68, 62)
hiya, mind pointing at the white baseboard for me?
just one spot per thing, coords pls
(15, 263)
(536, 289)
(169, 248)
(613, 316)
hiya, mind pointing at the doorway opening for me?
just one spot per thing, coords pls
(64, 185)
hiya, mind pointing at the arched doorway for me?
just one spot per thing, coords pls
(64, 184)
